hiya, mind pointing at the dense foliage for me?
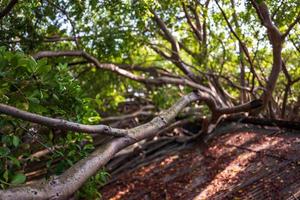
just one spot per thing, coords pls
(222, 42)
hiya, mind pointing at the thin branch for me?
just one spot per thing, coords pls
(72, 23)
(141, 112)
(194, 28)
(291, 26)
(116, 69)
(60, 39)
(243, 46)
(90, 58)
(175, 58)
(60, 123)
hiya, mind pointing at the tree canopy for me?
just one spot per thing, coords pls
(82, 80)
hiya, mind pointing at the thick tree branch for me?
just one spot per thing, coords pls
(61, 187)
(8, 8)
(275, 38)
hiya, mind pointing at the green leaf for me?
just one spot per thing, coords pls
(94, 119)
(88, 147)
(69, 162)
(34, 100)
(4, 151)
(15, 141)
(18, 179)
(5, 175)
(15, 161)
(44, 69)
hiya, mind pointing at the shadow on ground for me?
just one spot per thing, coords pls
(243, 164)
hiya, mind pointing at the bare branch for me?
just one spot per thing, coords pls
(141, 112)
(60, 39)
(90, 58)
(175, 58)
(60, 123)
(123, 72)
(242, 45)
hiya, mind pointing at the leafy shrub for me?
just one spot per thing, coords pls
(50, 90)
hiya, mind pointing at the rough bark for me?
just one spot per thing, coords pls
(276, 41)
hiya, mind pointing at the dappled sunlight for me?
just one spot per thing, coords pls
(226, 177)
(239, 164)
(169, 160)
(242, 163)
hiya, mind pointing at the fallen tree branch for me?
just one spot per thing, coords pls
(61, 187)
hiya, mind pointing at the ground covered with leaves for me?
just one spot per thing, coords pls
(241, 164)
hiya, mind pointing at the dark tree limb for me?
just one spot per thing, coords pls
(242, 45)
(8, 8)
(276, 41)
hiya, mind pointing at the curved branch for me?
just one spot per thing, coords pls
(60, 123)
(120, 71)
(90, 58)
(276, 41)
(61, 187)
(175, 58)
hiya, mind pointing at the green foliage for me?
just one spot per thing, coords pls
(164, 100)
(120, 31)
(50, 90)
(90, 190)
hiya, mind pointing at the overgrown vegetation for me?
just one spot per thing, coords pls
(121, 63)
